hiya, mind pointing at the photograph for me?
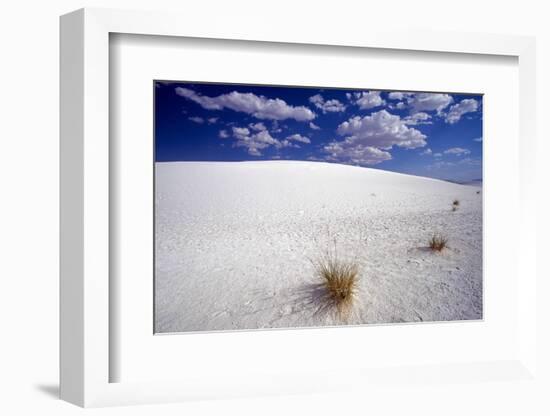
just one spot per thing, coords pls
(313, 206)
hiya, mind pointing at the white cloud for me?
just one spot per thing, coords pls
(417, 118)
(257, 106)
(257, 126)
(254, 143)
(438, 155)
(368, 139)
(223, 134)
(479, 139)
(428, 151)
(468, 105)
(314, 126)
(299, 138)
(255, 138)
(458, 151)
(275, 128)
(328, 106)
(239, 132)
(252, 151)
(429, 102)
(198, 120)
(347, 152)
(396, 95)
(382, 130)
(287, 143)
(366, 99)
(213, 120)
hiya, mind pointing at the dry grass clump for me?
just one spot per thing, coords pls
(438, 242)
(455, 205)
(341, 280)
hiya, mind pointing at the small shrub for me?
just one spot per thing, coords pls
(478, 192)
(340, 279)
(456, 203)
(438, 242)
(455, 208)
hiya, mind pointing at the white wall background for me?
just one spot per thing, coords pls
(29, 206)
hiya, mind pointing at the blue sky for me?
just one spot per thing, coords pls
(437, 135)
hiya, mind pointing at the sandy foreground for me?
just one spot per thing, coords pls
(236, 243)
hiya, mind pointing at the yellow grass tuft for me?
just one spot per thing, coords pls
(341, 280)
(438, 242)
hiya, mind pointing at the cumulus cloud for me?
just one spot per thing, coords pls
(367, 139)
(198, 120)
(327, 106)
(257, 126)
(438, 154)
(382, 130)
(223, 134)
(418, 118)
(468, 105)
(366, 99)
(287, 143)
(357, 154)
(299, 138)
(314, 126)
(429, 102)
(426, 152)
(399, 95)
(253, 142)
(420, 102)
(256, 137)
(257, 106)
(478, 139)
(240, 132)
(458, 151)
(212, 120)
(396, 96)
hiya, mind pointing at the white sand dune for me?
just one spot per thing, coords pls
(235, 243)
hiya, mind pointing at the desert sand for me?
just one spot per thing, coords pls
(236, 244)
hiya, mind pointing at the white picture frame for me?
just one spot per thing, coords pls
(85, 206)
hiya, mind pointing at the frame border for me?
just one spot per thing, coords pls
(84, 194)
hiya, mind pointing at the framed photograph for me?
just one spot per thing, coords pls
(290, 207)
(232, 211)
